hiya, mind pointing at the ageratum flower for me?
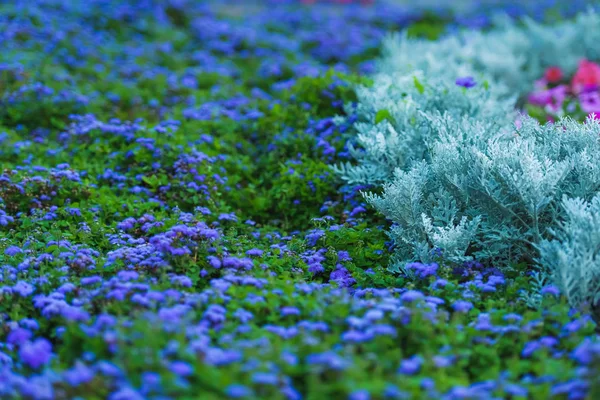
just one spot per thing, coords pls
(18, 336)
(181, 368)
(462, 306)
(12, 251)
(126, 393)
(360, 395)
(410, 366)
(411, 296)
(237, 391)
(78, 375)
(36, 354)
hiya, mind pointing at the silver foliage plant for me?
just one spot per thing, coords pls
(462, 172)
(572, 256)
(395, 120)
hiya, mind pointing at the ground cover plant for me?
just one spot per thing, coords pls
(183, 210)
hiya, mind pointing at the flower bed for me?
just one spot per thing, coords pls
(170, 226)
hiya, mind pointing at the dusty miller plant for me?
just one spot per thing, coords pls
(394, 128)
(572, 255)
(457, 173)
(492, 195)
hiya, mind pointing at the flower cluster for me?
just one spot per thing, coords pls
(557, 96)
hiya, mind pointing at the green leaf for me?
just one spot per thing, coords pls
(419, 85)
(383, 115)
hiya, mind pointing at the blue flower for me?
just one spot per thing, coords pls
(462, 306)
(36, 354)
(466, 82)
(236, 391)
(410, 366)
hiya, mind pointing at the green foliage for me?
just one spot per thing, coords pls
(430, 26)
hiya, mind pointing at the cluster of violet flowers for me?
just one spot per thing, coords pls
(557, 95)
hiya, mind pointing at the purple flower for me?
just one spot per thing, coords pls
(342, 276)
(462, 306)
(181, 368)
(108, 368)
(586, 352)
(314, 236)
(37, 353)
(344, 256)
(243, 315)
(355, 336)
(227, 217)
(374, 315)
(315, 268)
(442, 361)
(392, 392)
(411, 295)
(466, 81)
(216, 356)
(439, 283)
(289, 311)
(12, 250)
(360, 395)
(126, 394)
(18, 336)
(483, 322)
(265, 378)
(328, 359)
(427, 384)
(548, 341)
(590, 102)
(357, 210)
(515, 390)
(254, 252)
(423, 270)
(550, 289)
(79, 374)
(236, 391)
(574, 388)
(23, 288)
(290, 393)
(150, 380)
(37, 387)
(289, 358)
(530, 348)
(181, 280)
(410, 366)
(214, 262)
(90, 280)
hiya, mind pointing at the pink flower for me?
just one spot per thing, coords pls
(553, 74)
(587, 76)
(590, 102)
